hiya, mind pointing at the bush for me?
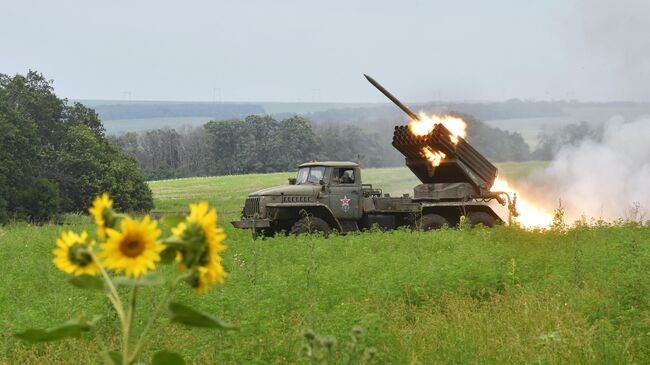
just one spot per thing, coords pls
(125, 184)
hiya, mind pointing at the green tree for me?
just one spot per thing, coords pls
(18, 146)
(55, 156)
(295, 143)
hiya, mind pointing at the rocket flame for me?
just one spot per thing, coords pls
(530, 216)
(435, 157)
(425, 125)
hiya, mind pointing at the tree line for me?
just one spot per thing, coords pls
(256, 144)
(262, 144)
(54, 157)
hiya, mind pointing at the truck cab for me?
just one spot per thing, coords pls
(323, 196)
(340, 186)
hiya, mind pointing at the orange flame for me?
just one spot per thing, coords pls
(530, 216)
(435, 157)
(425, 125)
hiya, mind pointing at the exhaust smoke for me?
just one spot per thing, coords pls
(606, 180)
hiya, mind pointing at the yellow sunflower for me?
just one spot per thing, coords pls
(203, 244)
(101, 211)
(134, 248)
(72, 254)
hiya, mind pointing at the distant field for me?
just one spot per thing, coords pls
(141, 123)
(530, 128)
(470, 296)
(121, 126)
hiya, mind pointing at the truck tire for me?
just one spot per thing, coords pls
(309, 225)
(431, 221)
(483, 218)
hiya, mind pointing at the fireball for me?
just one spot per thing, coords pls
(435, 157)
(425, 125)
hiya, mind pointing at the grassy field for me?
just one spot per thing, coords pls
(500, 295)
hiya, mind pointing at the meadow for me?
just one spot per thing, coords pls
(469, 295)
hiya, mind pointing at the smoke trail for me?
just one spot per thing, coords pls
(599, 179)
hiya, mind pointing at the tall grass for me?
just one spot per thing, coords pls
(499, 295)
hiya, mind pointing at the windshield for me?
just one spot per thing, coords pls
(310, 175)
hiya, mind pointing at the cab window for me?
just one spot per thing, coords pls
(343, 176)
(310, 175)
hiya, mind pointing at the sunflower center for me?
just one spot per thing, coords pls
(132, 247)
(78, 254)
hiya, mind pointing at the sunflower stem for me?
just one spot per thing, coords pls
(129, 324)
(113, 296)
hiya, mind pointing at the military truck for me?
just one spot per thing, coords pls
(326, 196)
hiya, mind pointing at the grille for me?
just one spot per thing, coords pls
(252, 206)
(296, 199)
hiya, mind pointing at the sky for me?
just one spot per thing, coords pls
(591, 50)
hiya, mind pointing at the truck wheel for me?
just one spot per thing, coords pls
(483, 218)
(308, 225)
(431, 221)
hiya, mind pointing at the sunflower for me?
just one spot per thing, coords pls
(72, 254)
(101, 211)
(134, 248)
(203, 245)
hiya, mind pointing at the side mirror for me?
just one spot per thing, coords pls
(292, 181)
(322, 182)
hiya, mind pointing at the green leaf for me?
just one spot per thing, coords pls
(183, 314)
(168, 255)
(71, 328)
(167, 358)
(87, 282)
(171, 221)
(150, 280)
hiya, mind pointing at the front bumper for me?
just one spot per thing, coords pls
(248, 223)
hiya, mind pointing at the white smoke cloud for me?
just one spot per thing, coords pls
(602, 180)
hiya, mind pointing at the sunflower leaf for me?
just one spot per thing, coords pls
(183, 314)
(167, 358)
(71, 328)
(87, 282)
(150, 280)
(171, 221)
(168, 255)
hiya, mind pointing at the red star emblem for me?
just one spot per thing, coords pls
(345, 202)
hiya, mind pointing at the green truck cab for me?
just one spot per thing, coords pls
(330, 195)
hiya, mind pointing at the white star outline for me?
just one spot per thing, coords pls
(345, 203)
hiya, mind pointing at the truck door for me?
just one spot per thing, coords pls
(345, 193)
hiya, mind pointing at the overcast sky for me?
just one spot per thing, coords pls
(317, 50)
